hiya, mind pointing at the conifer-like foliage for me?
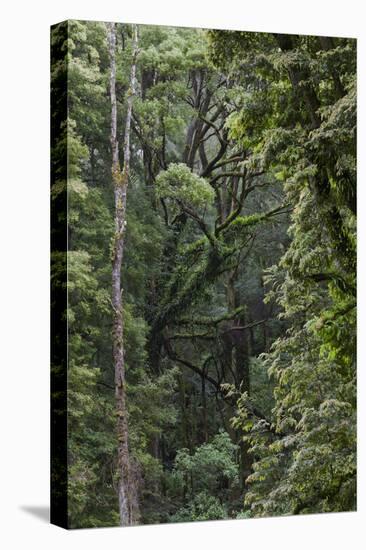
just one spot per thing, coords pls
(238, 272)
(305, 455)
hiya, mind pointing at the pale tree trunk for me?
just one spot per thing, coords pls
(128, 503)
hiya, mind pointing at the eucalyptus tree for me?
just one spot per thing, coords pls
(128, 503)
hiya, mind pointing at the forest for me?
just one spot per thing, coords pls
(208, 183)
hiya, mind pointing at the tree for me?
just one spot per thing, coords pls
(305, 454)
(128, 504)
(225, 349)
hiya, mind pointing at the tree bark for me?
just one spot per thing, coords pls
(128, 504)
(239, 356)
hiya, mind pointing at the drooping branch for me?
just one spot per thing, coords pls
(228, 175)
(192, 336)
(220, 389)
(245, 327)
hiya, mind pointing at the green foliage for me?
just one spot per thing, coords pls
(180, 184)
(209, 465)
(202, 507)
(238, 273)
(205, 479)
(304, 455)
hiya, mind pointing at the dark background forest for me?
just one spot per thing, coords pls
(238, 271)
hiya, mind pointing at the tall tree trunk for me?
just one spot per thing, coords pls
(240, 367)
(128, 504)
